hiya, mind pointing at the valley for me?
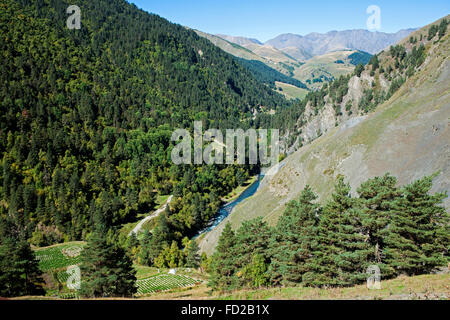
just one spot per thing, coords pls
(314, 59)
(388, 140)
(104, 194)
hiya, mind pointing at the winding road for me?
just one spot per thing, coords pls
(150, 217)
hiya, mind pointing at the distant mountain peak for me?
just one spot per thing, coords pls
(321, 43)
(239, 40)
(304, 47)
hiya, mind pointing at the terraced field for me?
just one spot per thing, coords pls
(59, 256)
(54, 260)
(164, 282)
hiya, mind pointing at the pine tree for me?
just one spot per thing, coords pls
(340, 253)
(255, 274)
(443, 28)
(19, 269)
(223, 264)
(159, 240)
(291, 244)
(417, 239)
(374, 62)
(359, 69)
(192, 255)
(132, 245)
(377, 196)
(144, 253)
(106, 270)
(252, 239)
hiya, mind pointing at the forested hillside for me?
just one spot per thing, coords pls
(269, 75)
(87, 116)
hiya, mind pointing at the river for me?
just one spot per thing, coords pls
(226, 209)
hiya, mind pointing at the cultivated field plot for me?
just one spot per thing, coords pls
(164, 282)
(63, 276)
(57, 257)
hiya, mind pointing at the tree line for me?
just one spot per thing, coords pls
(401, 230)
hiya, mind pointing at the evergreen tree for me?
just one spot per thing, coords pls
(291, 244)
(19, 269)
(417, 238)
(375, 62)
(132, 245)
(192, 255)
(443, 28)
(223, 264)
(359, 69)
(255, 274)
(341, 251)
(252, 239)
(377, 196)
(144, 253)
(106, 270)
(158, 241)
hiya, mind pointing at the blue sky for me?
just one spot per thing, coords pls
(263, 19)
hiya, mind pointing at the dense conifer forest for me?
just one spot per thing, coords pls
(87, 116)
(268, 75)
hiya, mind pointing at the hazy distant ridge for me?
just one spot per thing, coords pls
(242, 41)
(319, 44)
(314, 44)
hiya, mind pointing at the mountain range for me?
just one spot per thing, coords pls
(305, 47)
(314, 59)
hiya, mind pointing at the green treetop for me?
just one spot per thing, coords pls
(106, 270)
(417, 238)
(294, 236)
(223, 264)
(340, 251)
